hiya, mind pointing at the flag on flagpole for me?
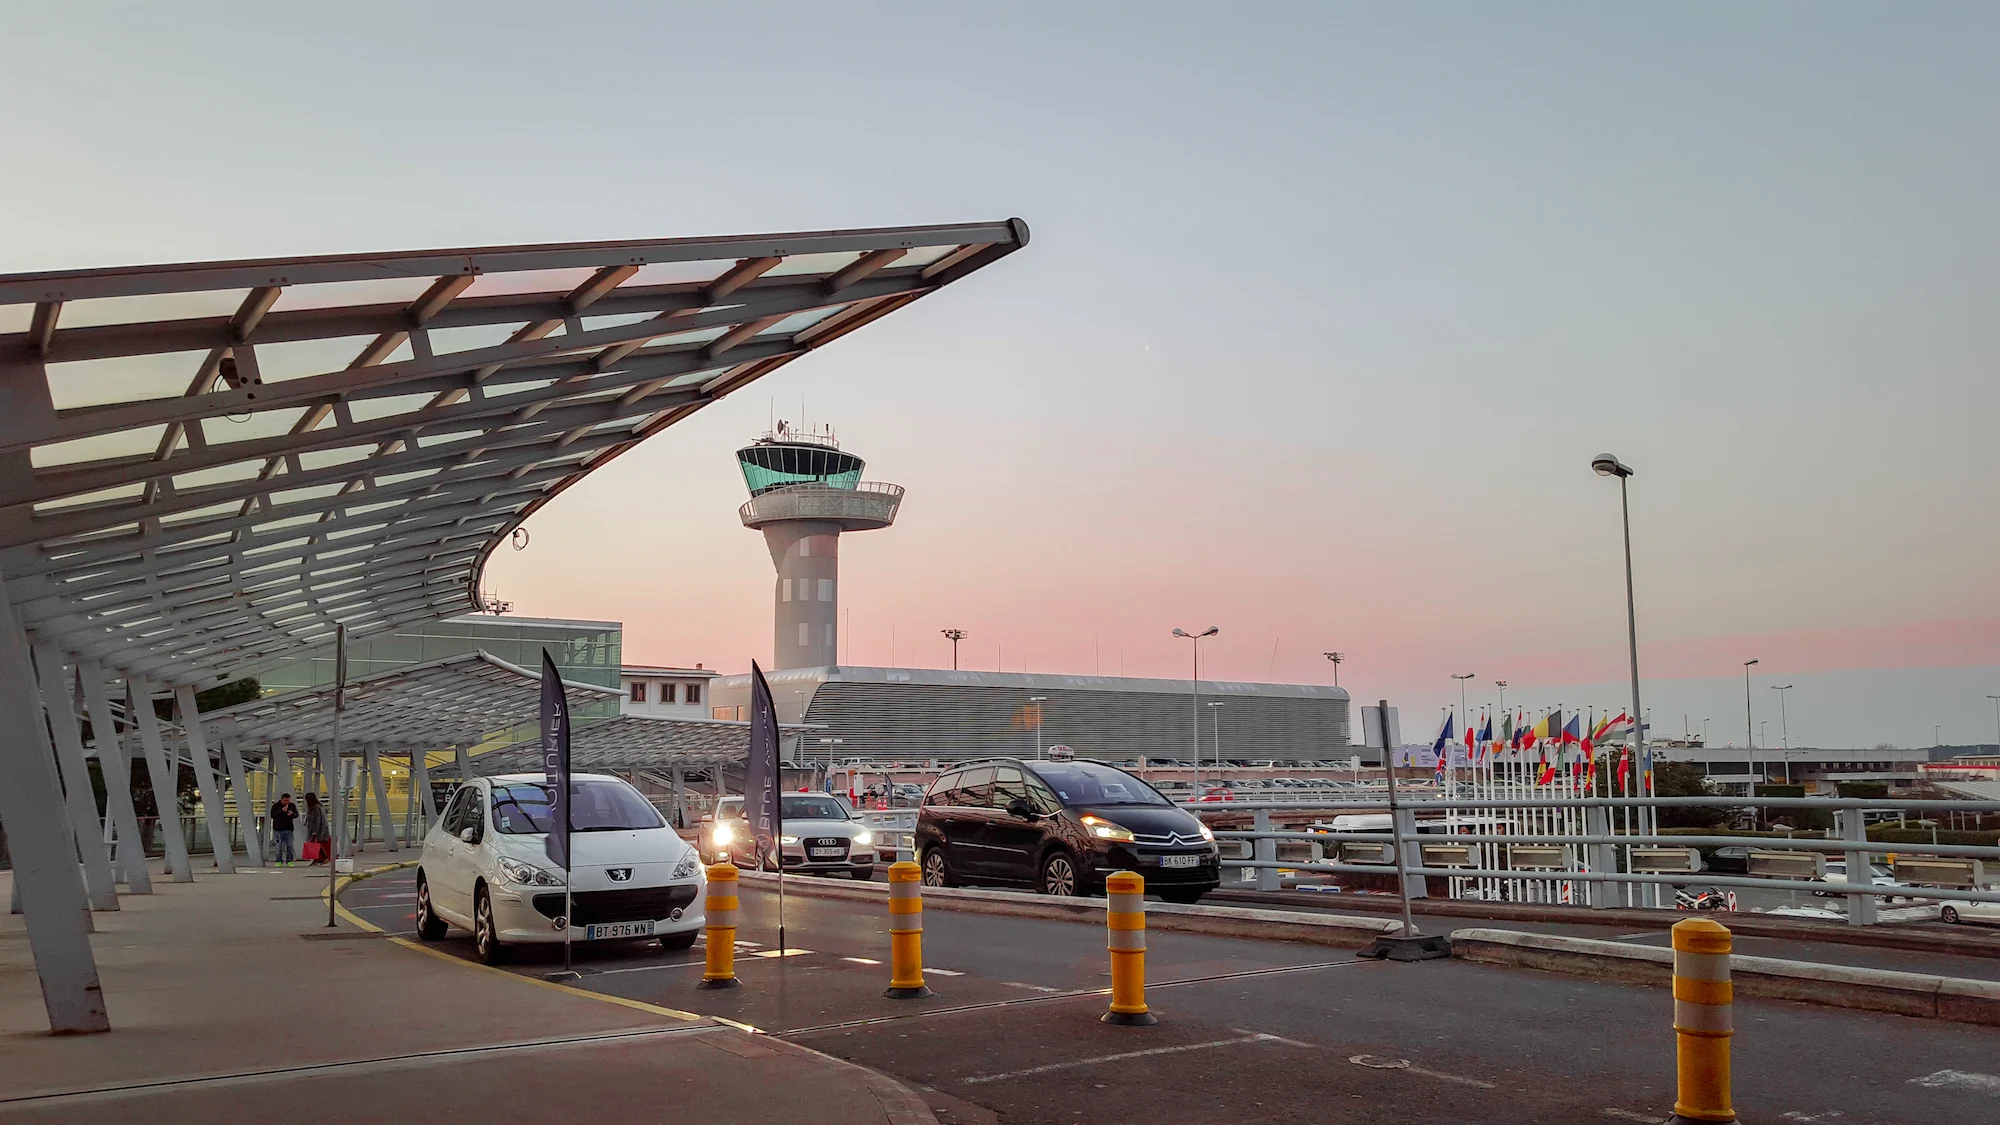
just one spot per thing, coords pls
(1485, 734)
(1442, 747)
(1624, 769)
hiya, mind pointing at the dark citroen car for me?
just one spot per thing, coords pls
(1060, 827)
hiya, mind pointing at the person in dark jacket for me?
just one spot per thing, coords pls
(283, 814)
(316, 828)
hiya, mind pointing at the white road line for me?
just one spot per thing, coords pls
(943, 972)
(792, 952)
(862, 960)
(1101, 1059)
(1458, 1078)
(1960, 1080)
(1030, 987)
(648, 968)
(1379, 1062)
(1628, 1115)
(1269, 1038)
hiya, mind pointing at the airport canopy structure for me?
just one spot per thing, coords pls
(211, 468)
(635, 742)
(457, 701)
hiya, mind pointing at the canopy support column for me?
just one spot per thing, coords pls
(204, 779)
(680, 797)
(381, 789)
(246, 805)
(420, 786)
(41, 841)
(464, 764)
(117, 780)
(98, 878)
(165, 773)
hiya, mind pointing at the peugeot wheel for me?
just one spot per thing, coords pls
(486, 947)
(1948, 913)
(430, 927)
(1059, 875)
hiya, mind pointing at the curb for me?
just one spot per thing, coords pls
(1219, 921)
(1919, 995)
(900, 1104)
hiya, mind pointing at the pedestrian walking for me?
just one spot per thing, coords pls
(283, 814)
(319, 836)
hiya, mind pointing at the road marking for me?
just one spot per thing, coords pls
(1269, 1038)
(1377, 1062)
(1960, 1080)
(944, 972)
(1120, 1057)
(789, 952)
(1797, 1115)
(647, 968)
(1628, 1115)
(862, 960)
(1030, 987)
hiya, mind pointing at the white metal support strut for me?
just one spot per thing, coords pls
(98, 878)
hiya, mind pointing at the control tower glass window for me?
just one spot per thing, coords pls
(771, 465)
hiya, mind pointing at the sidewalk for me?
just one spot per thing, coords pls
(229, 996)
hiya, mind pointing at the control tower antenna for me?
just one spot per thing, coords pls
(804, 492)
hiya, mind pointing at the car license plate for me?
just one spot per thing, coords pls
(617, 930)
(827, 853)
(1180, 861)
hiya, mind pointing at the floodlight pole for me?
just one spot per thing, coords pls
(333, 779)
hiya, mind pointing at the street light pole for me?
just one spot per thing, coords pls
(1784, 729)
(1750, 727)
(1038, 700)
(1336, 657)
(1996, 720)
(1606, 465)
(1195, 683)
(1464, 715)
(955, 636)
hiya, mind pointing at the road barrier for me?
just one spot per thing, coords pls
(1704, 1021)
(720, 924)
(1125, 935)
(906, 932)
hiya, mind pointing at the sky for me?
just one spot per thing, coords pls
(1326, 311)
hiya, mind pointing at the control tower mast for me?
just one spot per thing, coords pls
(804, 491)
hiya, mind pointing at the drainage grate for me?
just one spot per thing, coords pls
(339, 935)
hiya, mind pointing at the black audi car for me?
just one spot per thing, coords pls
(1060, 827)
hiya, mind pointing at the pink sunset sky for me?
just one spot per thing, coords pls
(1326, 311)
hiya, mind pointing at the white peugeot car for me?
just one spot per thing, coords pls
(485, 868)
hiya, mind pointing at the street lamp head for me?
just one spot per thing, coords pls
(1211, 630)
(1609, 466)
(1466, 676)
(1748, 663)
(1182, 633)
(1781, 687)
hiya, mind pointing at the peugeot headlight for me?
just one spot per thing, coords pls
(724, 832)
(527, 874)
(788, 839)
(689, 864)
(1206, 832)
(1105, 830)
(863, 838)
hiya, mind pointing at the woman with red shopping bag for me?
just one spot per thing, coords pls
(318, 837)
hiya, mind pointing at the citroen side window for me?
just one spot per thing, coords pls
(944, 791)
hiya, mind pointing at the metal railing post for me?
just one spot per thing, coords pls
(1410, 851)
(1603, 857)
(1266, 851)
(1854, 829)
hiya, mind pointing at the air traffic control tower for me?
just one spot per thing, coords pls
(803, 493)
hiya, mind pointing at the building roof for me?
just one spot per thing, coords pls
(220, 462)
(664, 670)
(634, 741)
(945, 677)
(459, 700)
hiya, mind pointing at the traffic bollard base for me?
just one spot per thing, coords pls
(561, 975)
(1436, 947)
(1131, 1019)
(726, 982)
(917, 993)
(1677, 1119)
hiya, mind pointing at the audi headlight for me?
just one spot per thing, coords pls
(1105, 830)
(689, 864)
(788, 839)
(724, 832)
(527, 874)
(863, 838)
(1206, 833)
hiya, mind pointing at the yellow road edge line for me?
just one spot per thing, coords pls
(640, 1005)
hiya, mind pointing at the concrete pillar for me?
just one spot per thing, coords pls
(41, 839)
(98, 878)
(805, 601)
(204, 778)
(246, 804)
(1854, 829)
(281, 784)
(117, 781)
(420, 784)
(336, 798)
(164, 769)
(381, 787)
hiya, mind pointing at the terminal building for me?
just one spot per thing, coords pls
(923, 713)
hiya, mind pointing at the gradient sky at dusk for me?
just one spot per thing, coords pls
(1326, 311)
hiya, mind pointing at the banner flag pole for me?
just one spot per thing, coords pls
(556, 775)
(762, 806)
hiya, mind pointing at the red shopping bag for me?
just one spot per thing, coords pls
(310, 852)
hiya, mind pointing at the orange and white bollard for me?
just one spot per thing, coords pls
(719, 925)
(1125, 926)
(906, 932)
(1704, 1003)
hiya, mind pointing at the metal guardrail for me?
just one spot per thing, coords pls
(895, 828)
(1456, 847)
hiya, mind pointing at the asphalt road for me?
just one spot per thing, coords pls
(1264, 1031)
